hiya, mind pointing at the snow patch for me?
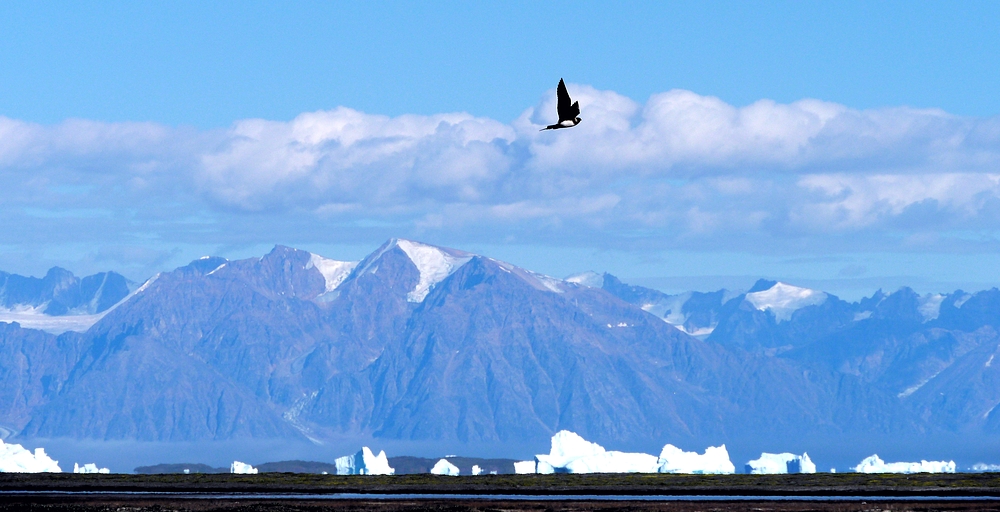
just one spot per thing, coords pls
(929, 306)
(784, 299)
(589, 279)
(962, 300)
(433, 263)
(15, 459)
(715, 461)
(874, 464)
(90, 469)
(862, 315)
(364, 463)
(780, 463)
(240, 468)
(912, 389)
(989, 361)
(443, 467)
(334, 272)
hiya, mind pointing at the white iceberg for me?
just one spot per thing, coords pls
(874, 464)
(524, 467)
(15, 459)
(714, 461)
(571, 453)
(364, 463)
(241, 468)
(476, 470)
(780, 463)
(90, 468)
(443, 467)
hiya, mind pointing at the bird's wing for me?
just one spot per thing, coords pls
(564, 106)
(574, 110)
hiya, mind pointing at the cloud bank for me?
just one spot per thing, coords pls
(680, 170)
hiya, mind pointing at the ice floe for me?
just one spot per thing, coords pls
(571, 453)
(241, 468)
(90, 468)
(874, 464)
(780, 463)
(715, 461)
(524, 467)
(364, 463)
(15, 459)
(443, 467)
(784, 299)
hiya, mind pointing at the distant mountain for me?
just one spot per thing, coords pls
(62, 293)
(417, 342)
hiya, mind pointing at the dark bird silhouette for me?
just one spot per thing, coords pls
(568, 113)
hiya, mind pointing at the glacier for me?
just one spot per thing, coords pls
(715, 461)
(334, 272)
(443, 467)
(780, 463)
(15, 459)
(784, 299)
(365, 462)
(434, 264)
(90, 468)
(240, 468)
(874, 464)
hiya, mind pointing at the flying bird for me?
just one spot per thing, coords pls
(568, 113)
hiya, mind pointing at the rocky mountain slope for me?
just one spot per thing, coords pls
(417, 342)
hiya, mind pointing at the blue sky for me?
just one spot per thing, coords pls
(847, 146)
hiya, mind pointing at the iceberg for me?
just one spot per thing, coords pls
(476, 470)
(524, 467)
(241, 468)
(89, 468)
(715, 461)
(443, 467)
(364, 463)
(874, 464)
(780, 463)
(571, 453)
(15, 459)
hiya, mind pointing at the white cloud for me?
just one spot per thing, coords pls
(679, 168)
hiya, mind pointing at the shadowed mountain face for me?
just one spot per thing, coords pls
(422, 343)
(60, 292)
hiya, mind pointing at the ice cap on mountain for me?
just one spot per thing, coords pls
(589, 278)
(784, 299)
(15, 459)
(443, 467)
(435, 264)
(780, 463)
(364, 463)
(715, 460)
(334, 272)
(874, 464)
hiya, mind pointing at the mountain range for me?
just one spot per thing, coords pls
(417, 342)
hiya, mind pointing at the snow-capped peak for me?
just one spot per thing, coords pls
(590, 279)
(784, 299)
(434, 263)
(929, 306)
(334, 272)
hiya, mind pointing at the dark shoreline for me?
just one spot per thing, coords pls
(822, 484)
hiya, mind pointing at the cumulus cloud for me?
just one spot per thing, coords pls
(681, 168)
